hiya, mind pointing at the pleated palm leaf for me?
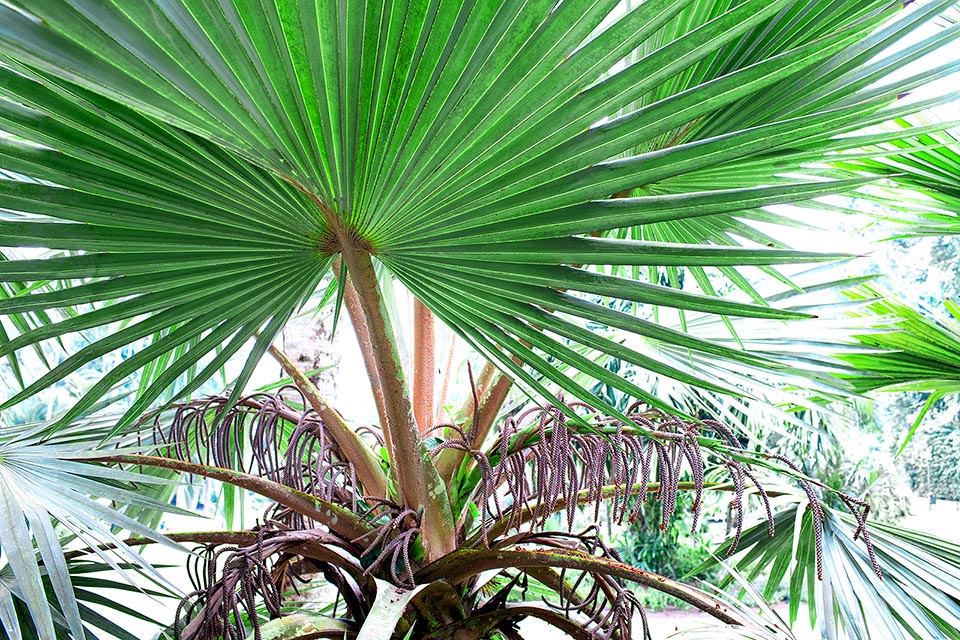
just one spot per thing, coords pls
(908, 350)
(918, 351)
(916, 598)
(52, 493)
(90, 588)
(925, 196)
(518, 167)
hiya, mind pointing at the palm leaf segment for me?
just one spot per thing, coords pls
(216, 156)
(904, 349)
(926, 194)
(45, 492)
(917, 597)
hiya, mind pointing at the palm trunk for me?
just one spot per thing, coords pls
(420, 486)
(352, 303)
(419, 482)
(424, 365)
(354, 449)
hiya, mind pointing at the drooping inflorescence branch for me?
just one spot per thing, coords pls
(229, 581)
(555, 463)
(542, 464)
(608, 604)
(267, 435)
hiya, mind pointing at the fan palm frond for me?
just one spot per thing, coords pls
(907, 350)
(47, 490)
(917, 596)
(204, 178)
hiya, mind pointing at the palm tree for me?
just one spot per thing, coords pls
(528, 171)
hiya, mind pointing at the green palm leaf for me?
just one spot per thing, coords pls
(906, 350)
(194, 264)
(47, 489)
(88, 588)
(912, 351)
(198, 166)
(202, 165)
(925, 195)
(917, 597)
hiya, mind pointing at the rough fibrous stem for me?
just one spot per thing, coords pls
(424, 365)
(338, 519)
(354, 449)
(419, 483)
(362, 333)
(465, 563)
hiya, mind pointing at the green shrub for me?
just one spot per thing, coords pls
(675, 552)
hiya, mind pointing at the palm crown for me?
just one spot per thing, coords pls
(529, 171)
